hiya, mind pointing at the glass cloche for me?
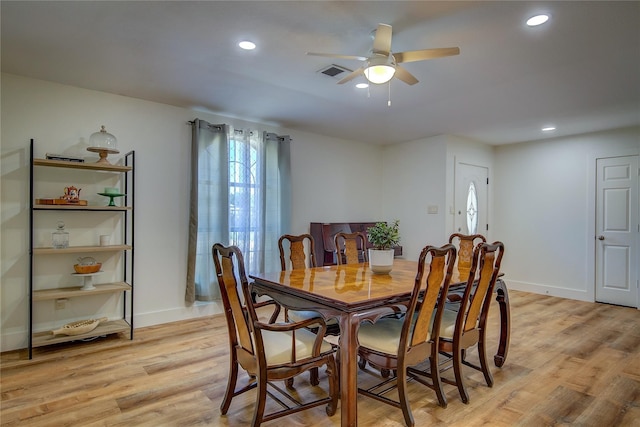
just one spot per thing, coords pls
(104, 143)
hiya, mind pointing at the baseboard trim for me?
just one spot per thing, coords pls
(554, 291)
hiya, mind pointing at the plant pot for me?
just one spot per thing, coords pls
(381, 260)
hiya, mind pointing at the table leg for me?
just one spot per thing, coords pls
(348, 370)
(502, 296)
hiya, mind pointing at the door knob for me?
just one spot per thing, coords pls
(600, 237)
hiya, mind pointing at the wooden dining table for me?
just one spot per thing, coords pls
(352, 294)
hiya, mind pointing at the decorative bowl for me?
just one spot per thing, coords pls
(87, 269)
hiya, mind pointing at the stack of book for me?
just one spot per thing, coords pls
(64, 157)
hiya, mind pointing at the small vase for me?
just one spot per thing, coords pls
(381, 260)
(60, 237)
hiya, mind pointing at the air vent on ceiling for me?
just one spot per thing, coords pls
(334, 70)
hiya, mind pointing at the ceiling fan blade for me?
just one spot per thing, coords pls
(382, 40)
(421, 55)
(405, 76)
(335, 55)
(352, 76)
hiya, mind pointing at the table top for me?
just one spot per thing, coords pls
(348, 286)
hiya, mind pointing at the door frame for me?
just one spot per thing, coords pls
(590, 236)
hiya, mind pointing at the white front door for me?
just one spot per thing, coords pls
(471, 199)
(617, 230)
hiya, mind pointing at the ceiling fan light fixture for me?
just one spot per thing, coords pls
(380, 69)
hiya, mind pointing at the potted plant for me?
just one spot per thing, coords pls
(383, 237)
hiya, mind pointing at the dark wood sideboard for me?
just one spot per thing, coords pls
(324, 232)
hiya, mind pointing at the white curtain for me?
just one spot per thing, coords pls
(240, 195)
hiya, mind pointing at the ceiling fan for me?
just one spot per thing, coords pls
(382, 65)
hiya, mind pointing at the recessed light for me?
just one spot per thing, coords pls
(247, 45)
(534, 21)
(362, 85)
(548, 129)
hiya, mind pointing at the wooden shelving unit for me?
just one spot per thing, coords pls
(123, 286)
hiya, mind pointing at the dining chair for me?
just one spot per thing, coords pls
(465, 326)
(298, 246)
(268, 352)
(465, 244)
(351, 248)
(399, 344)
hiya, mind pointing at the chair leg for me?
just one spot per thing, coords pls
(402, 396)
(337, 363)
(362, 363)
(435, 379)
(484, 364)
(314, 378)
(334, 386)
(258, 411)
(231, 384)
(458, 356)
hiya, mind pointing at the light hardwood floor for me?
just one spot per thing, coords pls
(570, 363)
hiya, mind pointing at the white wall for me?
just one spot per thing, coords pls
(544, 210)
(334, 181)
(327, 175)
(414, 177)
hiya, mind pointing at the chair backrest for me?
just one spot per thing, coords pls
(431, 292)
(465, 244)
(485, 268)
(239, 315)
(351, 248)
(297, 252)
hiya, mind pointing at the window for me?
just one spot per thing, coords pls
(472, 209)
(244, 195)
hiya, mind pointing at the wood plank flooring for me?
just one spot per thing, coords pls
(570, 363)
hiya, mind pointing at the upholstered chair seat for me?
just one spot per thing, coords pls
(448, 323)
(277, 346)
(383, 336)
(300, 315)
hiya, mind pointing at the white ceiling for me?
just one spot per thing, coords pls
(579, 72)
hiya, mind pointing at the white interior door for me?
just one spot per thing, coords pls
(617, 230)
(471, 199)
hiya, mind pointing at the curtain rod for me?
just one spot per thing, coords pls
(279, 137)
